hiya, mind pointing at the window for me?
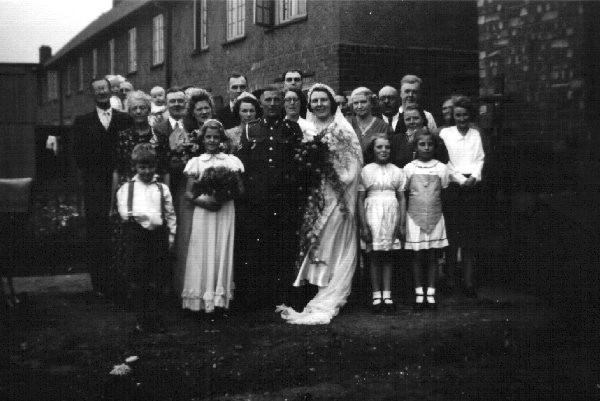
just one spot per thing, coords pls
(80, 77)
(268, 13)
(68, 80)
(132, 50)
(291, 9)
(158, 40)
(236, 17)
(52, 85)
(111, 56)
(94, 63)
(200, 21)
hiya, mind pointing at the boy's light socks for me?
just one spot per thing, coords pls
(387, 297)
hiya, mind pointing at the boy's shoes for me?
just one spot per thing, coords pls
(139, 329)
(470, 292)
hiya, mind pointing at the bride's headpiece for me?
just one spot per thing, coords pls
(320, 86)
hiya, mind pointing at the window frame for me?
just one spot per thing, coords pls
(80, 84)
(68, 90)
(236, 19)
(132, 50)
(158, 40)
(52, 85)
(279, 5)
(201, 27)
(94, 62)
(111, 56)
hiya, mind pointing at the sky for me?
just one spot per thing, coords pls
(28, 24)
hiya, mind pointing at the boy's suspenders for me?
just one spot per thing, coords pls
(130, 202)
(162, 204)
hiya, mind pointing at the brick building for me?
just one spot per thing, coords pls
(342, 43)
(538, 61)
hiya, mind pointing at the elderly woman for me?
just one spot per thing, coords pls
(293, 102)
(247, 108)
(138, 104)
(364, 123)
(330, 260)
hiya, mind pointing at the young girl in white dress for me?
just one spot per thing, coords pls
(425, 226)
(381, 211)
(208, 279)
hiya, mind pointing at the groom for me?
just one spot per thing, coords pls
(267, 244)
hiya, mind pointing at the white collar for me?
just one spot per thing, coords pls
(397, 115)
(137, 178)
(102, 111)
(207, 156)
(173, 121)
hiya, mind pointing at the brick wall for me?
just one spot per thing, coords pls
(262, 55)
(337, 42)
(536, 54)
(534, 51)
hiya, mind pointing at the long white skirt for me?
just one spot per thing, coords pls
(208, 281)
(338, 252)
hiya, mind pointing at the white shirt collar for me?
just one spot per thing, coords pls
(173, 121)
(102, 111)
(137, 178)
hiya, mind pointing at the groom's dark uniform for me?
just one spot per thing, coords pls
(95, 153)
(266, 243)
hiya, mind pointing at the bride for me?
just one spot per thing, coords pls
(331, 262)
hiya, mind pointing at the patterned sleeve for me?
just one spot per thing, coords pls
(123, 153)
(192, 168)
(163, 153)
(236, 164)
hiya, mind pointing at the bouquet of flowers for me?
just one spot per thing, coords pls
(316, 166)
(219, 182)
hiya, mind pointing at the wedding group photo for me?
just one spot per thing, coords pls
(299, 200)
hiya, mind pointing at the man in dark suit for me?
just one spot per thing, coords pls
(173, 129)
(95, 138)
(236, 84)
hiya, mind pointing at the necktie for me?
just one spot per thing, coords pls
(106, 119)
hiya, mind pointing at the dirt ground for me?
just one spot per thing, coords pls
(505, 346)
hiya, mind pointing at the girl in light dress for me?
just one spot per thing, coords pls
(381, 211)
(208, 282)
(425, 226)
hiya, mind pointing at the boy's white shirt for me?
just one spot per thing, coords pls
(146, 205)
